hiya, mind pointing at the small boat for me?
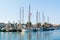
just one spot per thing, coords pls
(48, 29)
(35, 30)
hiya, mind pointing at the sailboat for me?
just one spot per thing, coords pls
(47, 26)
(38, 24)
(29, 24)
(24, 29)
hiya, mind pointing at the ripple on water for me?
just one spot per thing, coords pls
(40, 35)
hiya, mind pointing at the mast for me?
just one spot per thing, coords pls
(29, 14)
(20, 14)
(37, 17)
(29, 21)
(48, 19)
(23, 15)
(43, 18)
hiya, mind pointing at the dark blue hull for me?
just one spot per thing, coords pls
(47, 29)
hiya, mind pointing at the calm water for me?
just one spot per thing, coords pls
(46, 35)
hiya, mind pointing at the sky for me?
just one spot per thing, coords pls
(10, 10)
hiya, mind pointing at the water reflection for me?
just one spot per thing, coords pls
(29, 36)
(38, 35)
(47, 35)
(26, 36)
(22, 35)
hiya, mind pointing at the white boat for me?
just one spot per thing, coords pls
(26, 30)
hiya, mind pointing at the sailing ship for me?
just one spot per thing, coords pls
(46, 25)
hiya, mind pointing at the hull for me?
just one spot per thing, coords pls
(47, 29)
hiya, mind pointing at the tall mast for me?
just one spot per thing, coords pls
(48, 19)
(20, 14)
(29, 14)
(37, 17)
(23, 15)
(29, 22)
(43, 18)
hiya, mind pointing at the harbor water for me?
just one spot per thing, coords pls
(40, 35)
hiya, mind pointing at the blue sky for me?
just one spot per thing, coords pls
(10, 10)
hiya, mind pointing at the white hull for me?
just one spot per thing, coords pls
(26, 30)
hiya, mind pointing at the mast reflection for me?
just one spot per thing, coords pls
(29, 36)
(46, 35)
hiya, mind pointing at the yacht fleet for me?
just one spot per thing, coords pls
(19, 27)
